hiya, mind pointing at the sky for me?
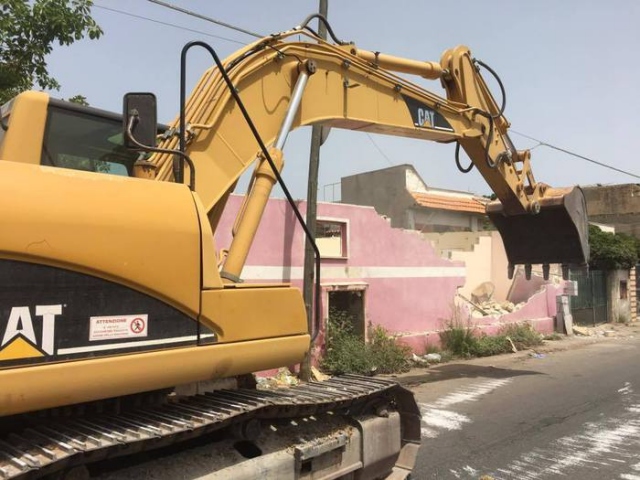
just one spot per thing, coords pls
(569, 68)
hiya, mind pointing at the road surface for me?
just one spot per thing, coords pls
(573, 414)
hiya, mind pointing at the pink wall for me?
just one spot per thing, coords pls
(409, 289)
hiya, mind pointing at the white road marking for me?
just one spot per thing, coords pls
(611, 441)
(437, 416)
(443, 419)
(472, 393)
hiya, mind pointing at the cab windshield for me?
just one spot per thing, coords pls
(85, 141)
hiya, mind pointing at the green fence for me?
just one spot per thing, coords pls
(589, 307)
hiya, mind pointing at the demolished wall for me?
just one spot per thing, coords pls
(407, 288)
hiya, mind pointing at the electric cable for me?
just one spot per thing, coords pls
(205, 18)
(379, 150)
(569, 152)
(168, 24)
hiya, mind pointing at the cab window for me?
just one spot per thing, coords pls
(87, 142)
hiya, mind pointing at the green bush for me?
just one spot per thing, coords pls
(462, 341)
(522, 335)
(612, 251)
(346, 352)
(485, 346)
(387, 354)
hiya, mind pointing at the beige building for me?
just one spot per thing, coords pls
(400, 194)
(454, 222)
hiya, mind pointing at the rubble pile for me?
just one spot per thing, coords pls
(600, 331)
(493, 308)
(283, 379)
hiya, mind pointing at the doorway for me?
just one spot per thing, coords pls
(348, 302)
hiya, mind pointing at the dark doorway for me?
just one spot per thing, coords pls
(351, 304)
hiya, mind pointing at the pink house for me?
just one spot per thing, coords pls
(380, 275)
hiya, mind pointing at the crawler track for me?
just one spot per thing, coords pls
(42, 449)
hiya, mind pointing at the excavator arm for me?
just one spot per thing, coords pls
(288, 83)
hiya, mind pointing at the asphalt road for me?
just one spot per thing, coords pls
(571, 414)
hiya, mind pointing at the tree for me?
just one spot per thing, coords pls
(28, 32)
(611, 251)
(79, 99)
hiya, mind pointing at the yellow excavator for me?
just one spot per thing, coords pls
(112, 293)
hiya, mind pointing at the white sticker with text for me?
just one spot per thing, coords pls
(115, 327)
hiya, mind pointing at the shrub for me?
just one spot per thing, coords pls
(463, 342)
(387, 354)
(485, 346)
(344, 349)
(458, 339)
(346, 352)
(522, 335)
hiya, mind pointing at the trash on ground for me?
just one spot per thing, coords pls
(433, 357)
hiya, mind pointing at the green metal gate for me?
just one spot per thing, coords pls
(589, 307)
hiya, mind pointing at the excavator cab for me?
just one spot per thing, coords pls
(557, 233)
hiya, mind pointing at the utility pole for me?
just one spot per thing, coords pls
(312, 204)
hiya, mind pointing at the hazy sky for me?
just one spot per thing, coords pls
(570, 69)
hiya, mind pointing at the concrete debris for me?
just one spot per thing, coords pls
(318, 375)
(426, 360)
(495, 308)
(283, 379)
(419, 360)
(433, 357)
(483, 292)
(595, 331)
(584, 331)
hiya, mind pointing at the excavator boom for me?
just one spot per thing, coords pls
(288, 83)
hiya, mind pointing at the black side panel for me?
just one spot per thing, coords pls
(424, 116)
(50, 314)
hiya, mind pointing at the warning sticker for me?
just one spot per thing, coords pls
(123, 326)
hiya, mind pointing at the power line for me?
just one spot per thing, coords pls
(379, 150)
(207, 19)
(568, 152)
(257, 35)
(140, 17)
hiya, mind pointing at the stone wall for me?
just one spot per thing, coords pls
(617, 205)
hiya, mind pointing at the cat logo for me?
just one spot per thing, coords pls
(426, 117)
(19, 339)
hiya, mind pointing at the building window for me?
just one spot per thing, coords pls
(623, 290)
(331, 238)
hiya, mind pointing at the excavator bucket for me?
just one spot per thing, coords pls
(557, 234)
